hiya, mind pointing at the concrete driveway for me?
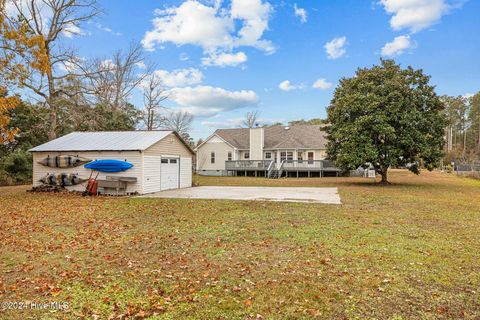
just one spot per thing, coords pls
(309, 195)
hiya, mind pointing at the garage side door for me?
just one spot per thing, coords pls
(151, 174)
(185, 172)
(169, 173)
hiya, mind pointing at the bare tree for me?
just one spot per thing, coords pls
(251, 119)
(179, 121)
(111, 81)
(153, 95)
(48, 20)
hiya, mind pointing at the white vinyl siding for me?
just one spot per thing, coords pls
(134, 157)
(171, 147)
(185, 172)
(221, 149)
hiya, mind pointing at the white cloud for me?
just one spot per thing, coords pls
(107, 29)
(209, 101)
(322, 84)
(301, 13)
(336, 47)
(184, 56)
(101, 27)
(141, 65)
(179, 77)
(215, 28)
(255, 15)
(468, 95)
(397, 46)
(71, 65)
(225, 59)
(72, 30)
(415, 15)
(288, 86)
(67, 66)
(190, 23)
(108, 64)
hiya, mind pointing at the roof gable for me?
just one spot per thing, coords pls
(214, 138)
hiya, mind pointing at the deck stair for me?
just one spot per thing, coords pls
(275, 174)
(275, 171)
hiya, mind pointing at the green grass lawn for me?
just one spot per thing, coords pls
(406, 251)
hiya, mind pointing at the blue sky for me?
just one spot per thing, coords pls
(222, 59)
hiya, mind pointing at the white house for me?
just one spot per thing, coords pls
(161, 159)
(266, 151)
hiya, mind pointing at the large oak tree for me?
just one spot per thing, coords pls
(386, 116)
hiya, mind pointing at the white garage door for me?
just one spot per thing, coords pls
(169, 173)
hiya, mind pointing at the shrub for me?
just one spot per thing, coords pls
(16, 167)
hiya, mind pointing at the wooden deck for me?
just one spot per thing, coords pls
(289, 168)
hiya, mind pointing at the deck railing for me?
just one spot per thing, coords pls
(309, 164)
(324, 165)
(247, 164)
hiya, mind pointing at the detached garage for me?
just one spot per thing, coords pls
(153, 160)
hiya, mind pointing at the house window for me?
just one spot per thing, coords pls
(212, 157)
(289, 156)
(268, 155)
(286, 156)
(300, 156)
(247, 155)
(229, 156)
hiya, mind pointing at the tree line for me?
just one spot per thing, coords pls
(48, 90)
(462, 134)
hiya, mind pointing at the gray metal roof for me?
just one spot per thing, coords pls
(104, 141)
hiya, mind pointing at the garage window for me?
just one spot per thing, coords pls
(164, 160)
(212, 157)
(173, 160)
